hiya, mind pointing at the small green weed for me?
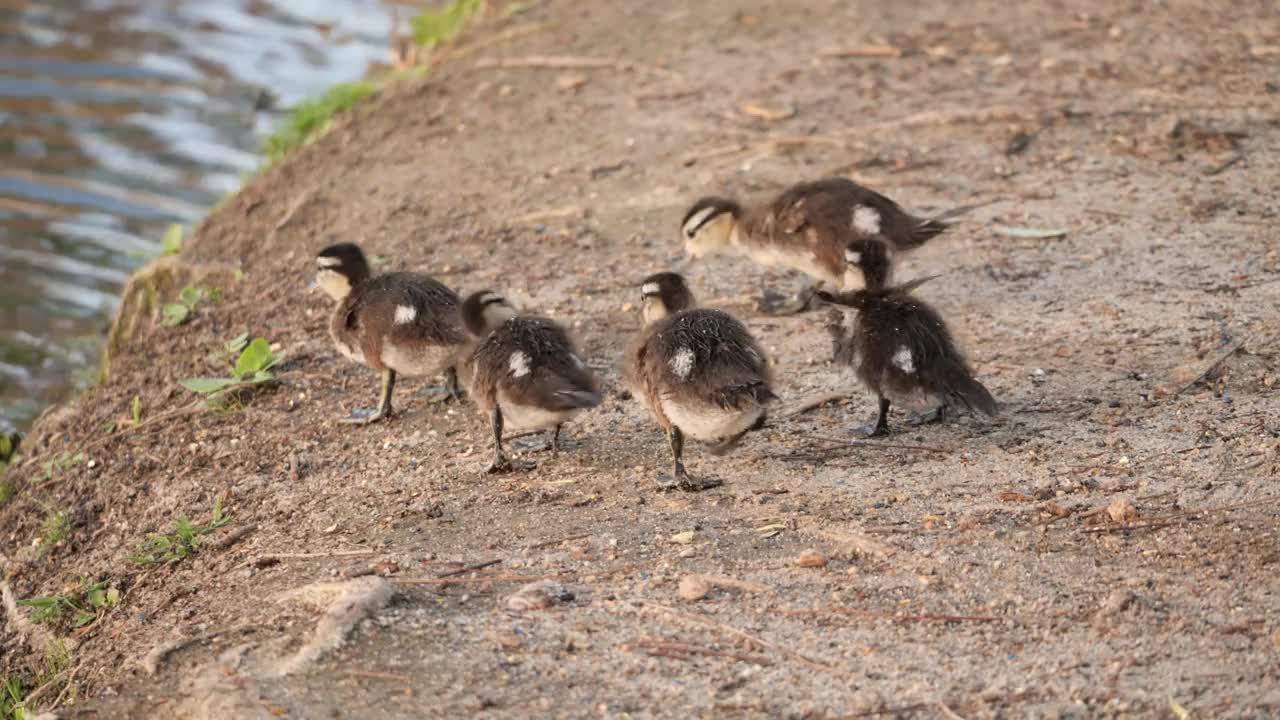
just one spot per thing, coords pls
(83, 606)
(252, 367)
(433, 27)
(7, 491)
(175, 314)
(60, 463)
(11, 700)
(182, 542)
(171, 241)
(55, 528)
(312, 117)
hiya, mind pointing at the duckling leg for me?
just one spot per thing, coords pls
(363, 416)
(502, 463)
(555, 440)
(451, 390)
(881, 427)
(682, 479)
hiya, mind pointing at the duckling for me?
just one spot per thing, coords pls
(699, 371)
(396, 323)
(899, 346)
(808, 227)
(524, 371)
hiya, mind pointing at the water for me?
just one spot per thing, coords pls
(120, 117)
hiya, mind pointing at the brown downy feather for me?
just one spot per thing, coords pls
(527, 364)
(404, 321)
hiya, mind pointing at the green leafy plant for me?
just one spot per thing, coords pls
(432, 27)
(312, 117)
(175, 314)
(83, 607)
(135, 410)
(252, 367)
(182, 542)
(171, 241)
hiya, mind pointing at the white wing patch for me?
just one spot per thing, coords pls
(649, 289)
(866, 220)
(903, 360)
(682, 363)
(328, 261)
(853, 257)
(698, 219)
(406, 314)
(519, 363)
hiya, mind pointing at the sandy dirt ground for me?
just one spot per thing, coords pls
(1107, 548)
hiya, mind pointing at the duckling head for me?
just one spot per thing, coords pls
(868, 265)
(484, 311)
(662, 294)
(708, 226)
(339, 268)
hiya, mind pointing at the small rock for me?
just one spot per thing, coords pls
(1122, 511)
(683, 538)
(538, 596)
(693, 588)
(811, 559)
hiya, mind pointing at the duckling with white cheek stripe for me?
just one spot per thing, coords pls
(525, 372)
(900, 348)
(808, 227)
(699, 371)
(396, 323)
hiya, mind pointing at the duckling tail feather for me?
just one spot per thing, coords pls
(926, 230)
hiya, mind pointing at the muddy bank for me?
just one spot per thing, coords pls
(969, 566)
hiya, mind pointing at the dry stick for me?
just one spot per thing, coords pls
(314, 555)
(458, 52)
(469, 568)
(894, 617)
(572, 62)
(55, 681)
(380, 675)
(947, 712)
(877, 444)
(1223, 357)
(682, 651)
(231, 538)
(1158, 521)
(815, 402)
(706, 622)
(868, 51)
(465, 581)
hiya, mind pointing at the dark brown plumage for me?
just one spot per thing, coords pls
(808, 227)
(699, 371)
(525, 372)
(899, 347)
(396, 323)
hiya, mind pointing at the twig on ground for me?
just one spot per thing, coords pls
(550, 214)
(59, 680)
(730, 630)
(815, 402)
(1218, 169)
(893, 617)
(231, 538)
(947, 712)
(1217, 362)
(876, 444)
(573, 62)
(469, 568)
(465, 581)
(866, 51)
(549, 543)
(151, 661)
(732, 583)
(375, 675)
(682, 651)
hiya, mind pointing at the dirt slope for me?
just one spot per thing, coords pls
(1135, 359)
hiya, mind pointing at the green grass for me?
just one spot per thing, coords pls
(312, 116)
(11, 700)
(180, 543)
(55, 528)
(82, 605)
(433, 27)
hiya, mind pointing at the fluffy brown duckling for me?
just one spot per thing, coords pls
(525, 372)
(899, 346)
(699, 371)
(808, 227)
(398, 323)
